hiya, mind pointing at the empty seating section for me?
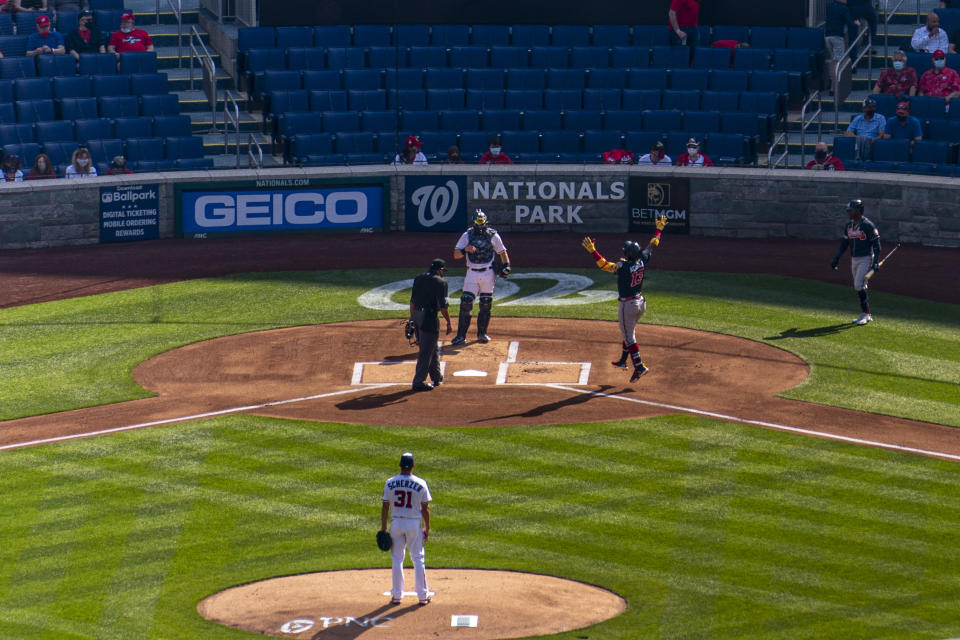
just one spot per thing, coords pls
(599, 83)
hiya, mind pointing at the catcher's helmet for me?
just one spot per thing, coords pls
(631, 251)
(480, 218)
(855, 205)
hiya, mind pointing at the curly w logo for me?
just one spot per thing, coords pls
(435, 206)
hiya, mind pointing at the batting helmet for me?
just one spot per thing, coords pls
(855, 205)
(480, 218)
(631, 251)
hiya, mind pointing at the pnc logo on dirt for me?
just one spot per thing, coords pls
(302, 625)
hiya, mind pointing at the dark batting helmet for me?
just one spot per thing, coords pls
(631, 251)
(855, 205)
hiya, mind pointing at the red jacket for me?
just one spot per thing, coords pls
(832, 163)
(683, 160)
(489, 158)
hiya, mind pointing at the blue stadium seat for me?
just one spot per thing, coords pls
(51, 66)
(570, 35)
(751, 59)
(277, 102)
(720, 100)
(26, 22)
(647, 78)
(928, 108)
(444, 79)
(566, 79)
(602, 99)
(146, 154)
(768, 37)
(809, 38)
(255, 38)
(630, 57)
(587, 57)
(362, 79)
(767, 105)
(15, 68)
(412, 35)
(886, 104)
(682, 100)
(435, 144)
(108, 85)
(526, 79)
(460, 120)
(560, 146)
(582, 120)
(35, 110)
(186, 152)
(611, 35)
(107, 20)
(648, 35)
(372, 35)
(55, 131)
(706, 121)
(288, 37)
(688, 79)
(378, 120)
(943, 130)
(734, 32)
(484, 99)
(489, 35)
(420, 120)
(428, 57)
(562, 99)
(27, 151)
(60, 153)
(404, 78)
(96, 64)
(530, 35)
(523, 99)
(640, 140)
(550, 57)
(506, 57)
(597, 141)
(161, 104)
(169, 126)
(135, 127)
(542, 120)
(408, 99)
(8, 115)
(346, 58)
(138, 62)
(6, 91)
(775, 81)
(77, 108)
(934, 152)
(13, 46)
(93, 129)
(670, 57)
(6, 23)
(662, 120)
(314, 149)
(844, 148)
(711, 58)
(888, 155)
(340, 121)
(607, 78)
(330, 100)
(623, 120)
(385, 57)
(105, 149)
(321, 80)
(71, 87)
(332, 35)
(439, 99)
(726, 149)
(301, 58)
(501, 119)
(729, 80)
(33, 88)
(472, 57)
(450, 35)
(520, 142)
(642, 98)
(355, 143)
(474, 144)
(799, 65)
(142, 84)
(743, 123)
(119, 106)
(486, 79)
(19, 133)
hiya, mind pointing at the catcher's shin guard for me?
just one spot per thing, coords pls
(483, 316)
(463, 321)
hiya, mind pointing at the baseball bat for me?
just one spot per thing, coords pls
(880, 264)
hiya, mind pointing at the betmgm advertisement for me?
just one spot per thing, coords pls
(294, 205)
(651, 198)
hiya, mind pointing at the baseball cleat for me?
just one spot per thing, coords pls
(425, 602)
(458, 340)
(395, 601)
(619, 364)
(863, 319)
(437, 383)
(484, 338)
(639, 371)
(423, 386)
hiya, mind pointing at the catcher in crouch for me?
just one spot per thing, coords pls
(629, 270)
(479, 244)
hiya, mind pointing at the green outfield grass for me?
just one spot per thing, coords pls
(709, 529)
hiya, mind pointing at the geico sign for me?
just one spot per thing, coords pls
(277, 209)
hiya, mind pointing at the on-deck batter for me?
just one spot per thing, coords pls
(863, 238)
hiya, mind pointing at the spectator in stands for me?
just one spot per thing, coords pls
(866, 127)
(693, 157)
(85, 39)
(118, 167)
(930, 37)
(733, 45)
(411, 154)
(898, 79)
(44, 40)
(618, 156)
(657, 155)
(941, 81)
(823, 160)
(11, 168)
(839, 25)
(129, 38)
(42, 168)
(863, 10)
(453, 155)
(495, 155)
(81, 166)
(954, 40)
(904, 126)
(683, 17)
(13, 6)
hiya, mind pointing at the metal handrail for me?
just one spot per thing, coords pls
(202, 55)
(804, 123)
(251, 159)
(771, 163)
(845, 61)
(231, 117)
(886, 28)
(177, 11)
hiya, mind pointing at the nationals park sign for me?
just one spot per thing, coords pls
(281, 205)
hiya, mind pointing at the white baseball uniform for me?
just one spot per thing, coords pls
(480, 276)
(406, 494)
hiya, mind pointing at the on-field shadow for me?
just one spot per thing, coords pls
(375, 400)
(348, 632)
(816, 332)
(575, 399)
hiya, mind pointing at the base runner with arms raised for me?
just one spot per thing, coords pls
(406, 498)
(629, 269)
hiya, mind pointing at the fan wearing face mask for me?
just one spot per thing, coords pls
(42, 168)
(941, 81)
(81, 165)
(495, 155)
(898, 79)
(129, 38)
(823, 160)
(693, 157)
(904, 126)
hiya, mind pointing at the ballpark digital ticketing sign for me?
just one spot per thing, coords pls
(209, 212)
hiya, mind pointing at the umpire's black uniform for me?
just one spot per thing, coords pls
(429, 296)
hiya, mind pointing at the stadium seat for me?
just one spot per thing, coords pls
(119, 106)
(775, 81)
(550, 57)
(647, 78)
(385, 57)
(607, 78)
(734, 32)
(630, 57)
(688, 79)
(363, 100)
(530, 35)
(526, 79)
(33, 88)
(746, 124)
(357, 143)
(444, 79)
(486, 79)
(142, 84)
(943, 130)
(362, 79)
(138, 62)
(339, 58)
(35, 110)
(161, 104)
(589, 57)
(597, 141)
(313, 148)
(720, 101)
(186, 152)
(280, 102)
(542, 120)
(642, 98)
(844, 148)
(706, 121)
(669, 57)
(60, 153)
(523, 99)
(51, 66)
(640, 140)
(651, 35)
(682, 100)
(886, 104)
(662, 120)
(472, 57)
(108, 85)
(799, 65)
(169, 127)
(566, 79)
(27, 151)
(107, 20)
(26, 22)
(408, 99)
(729, 80)
(104, 150)
(891, 150)
(134, 127)
(562, 99)
(501, 119)
(623, 120)
(290, 124)
(16, 68)
(711, 58)
(560, 146)
(404, 79)
(6, 23)
(570, 35)
(93, 129)
(751, 59)
(809, 38)
(8, 115)
(521, 142)
(19, 133)
(435, 144)
(768, 37)
(78, 108)
(460, 120)
(70, 87)
(97, 64)
(506, 57)
(338, 121)
(147, 154)
(582, 120)
(611, 35)
(321, 79)
(419, 120)
(934, 152)
(484, 99)
(602, 99)
(489, 35)
(428, 57)
(439, 99)
(412, 35)
(927, 108)
(329, 100)
(474, 144)
(13, 47)
(300, 36)
(55, 131)
(378, 120)
(302, 58)
(727, 149)
(254, 37)
(450, 35)
(372, 35)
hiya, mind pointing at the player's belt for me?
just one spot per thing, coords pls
(636, 297)
(484, 269)
(406, 517)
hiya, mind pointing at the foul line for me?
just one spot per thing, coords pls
(196, 416)
(761, 423)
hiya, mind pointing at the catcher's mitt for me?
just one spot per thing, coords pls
(384, 541)
(410, 331)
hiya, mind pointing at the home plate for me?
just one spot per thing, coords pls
(473, 373)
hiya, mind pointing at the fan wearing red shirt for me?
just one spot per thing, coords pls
(128, 38)
(682, 18)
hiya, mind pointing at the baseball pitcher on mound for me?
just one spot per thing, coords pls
(629, 270)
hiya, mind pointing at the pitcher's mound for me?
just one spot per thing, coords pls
(484, 605)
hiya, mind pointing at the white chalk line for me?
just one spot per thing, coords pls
(195, 416)
(762, 423)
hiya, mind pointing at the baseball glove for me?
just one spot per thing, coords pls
(410, 332)
(384, 541)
